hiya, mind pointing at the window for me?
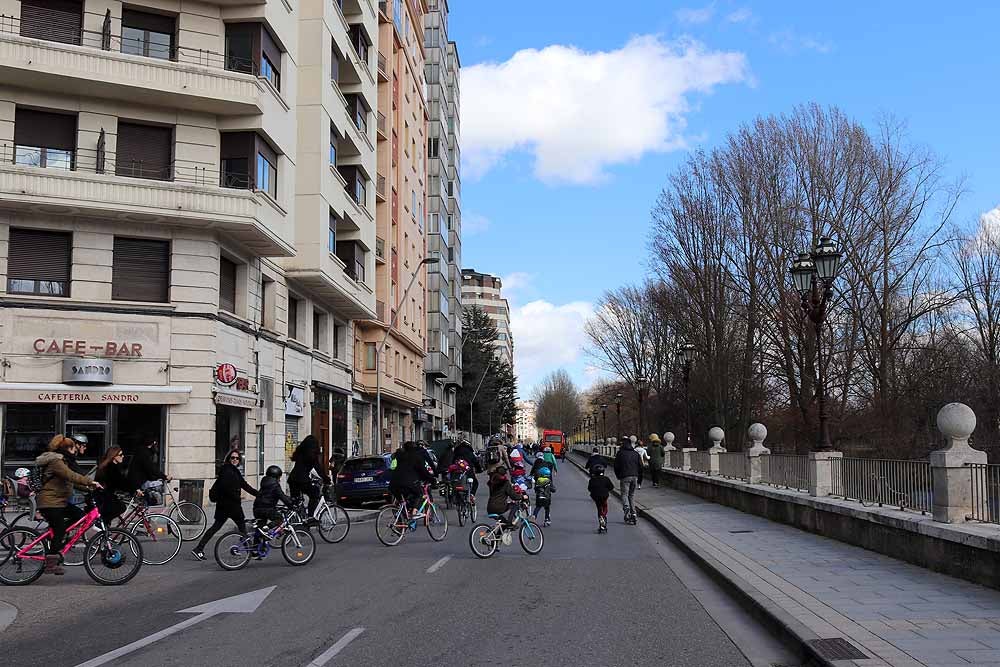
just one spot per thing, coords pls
(267, 176)
(144, 151)
(269, 71)
(337, 334)
(294, 308)
(369, 356)
(269, 306)
(147, 34)
(433, 73)
(251, 49)
(397, 364)
(433, 146)
(356, 184)
(451, 188)
(140, 270)
(413, 202)
(52, 20)
(319, 330)
(360, 42)
(334, 138)
(358, 110)
(227, 285)
(39, 262)
(353, 256)
(332, 233)
(44, 139)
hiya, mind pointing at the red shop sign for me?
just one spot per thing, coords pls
(225, 374)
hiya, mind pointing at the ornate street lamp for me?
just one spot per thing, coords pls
(618, 407)
(813, 275)
(604, 419)
(640, 388)
(686, 352)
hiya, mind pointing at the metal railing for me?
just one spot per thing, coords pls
(380, 186)
(105, 41)
(896, 483)
(676, 459)
(985, 496)
(701, 462)
(788, 471)
(382, 63)
(380, 123)
(734, 465)
(379, 248)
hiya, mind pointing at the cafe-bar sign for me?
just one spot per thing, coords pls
(108, 348)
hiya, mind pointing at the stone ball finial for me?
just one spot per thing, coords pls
(956, 421)
(716, 434)
(668, 437)
(757, 432)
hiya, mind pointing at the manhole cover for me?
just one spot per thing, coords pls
(735, 532)
(837, 648)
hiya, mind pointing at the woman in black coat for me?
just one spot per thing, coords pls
(228, 503)
(305, 459)
(111, 475)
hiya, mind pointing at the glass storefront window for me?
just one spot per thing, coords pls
(28, 427)
(339, 435)
(230, 424)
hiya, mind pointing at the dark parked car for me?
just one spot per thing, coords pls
(363, 480)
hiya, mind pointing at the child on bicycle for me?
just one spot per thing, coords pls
(265, 505)
(503, 496)
(544, 488)
(600, 489)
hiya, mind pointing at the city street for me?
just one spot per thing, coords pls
(587, 599)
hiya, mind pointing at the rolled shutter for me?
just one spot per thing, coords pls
(140, 270)
(161, 23)
(44, 129)
(52, 20)
(227, 285)
(144, 151)
(40, 255)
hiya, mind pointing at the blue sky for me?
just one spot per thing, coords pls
(553, 89)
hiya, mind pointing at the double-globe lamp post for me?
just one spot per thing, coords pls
(604, 421)
(686, 352)
(813, 275)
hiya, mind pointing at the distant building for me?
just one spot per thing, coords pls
(485, 292)
(524, 425)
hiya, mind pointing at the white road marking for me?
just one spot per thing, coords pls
(438, 565)
(331, 653)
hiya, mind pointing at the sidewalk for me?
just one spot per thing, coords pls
(817, 588)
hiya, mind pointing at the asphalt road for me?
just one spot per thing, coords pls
(587, 599)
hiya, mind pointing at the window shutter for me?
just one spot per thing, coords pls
(52, 20)
(293, 317)
(140, 270)
(44, 130)
(39, 255)
(227, 285)
(144, 151)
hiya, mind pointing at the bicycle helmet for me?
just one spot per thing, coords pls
(544, 471)
(21, 473)
(597, 470)
(80, 439)
(273, 471)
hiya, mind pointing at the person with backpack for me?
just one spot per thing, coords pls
(57, 482)
(628, 470)
(305, 459)
(599, 488)
(550, 458)
(503, 496)
(595, 459)
(656, 455)
(544, 488)
(464, 451)
(225, 493)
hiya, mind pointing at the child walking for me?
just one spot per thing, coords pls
(600, 489)
(544, 488)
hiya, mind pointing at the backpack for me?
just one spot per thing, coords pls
(36, 479)
(213, 492)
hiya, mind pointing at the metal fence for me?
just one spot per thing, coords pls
(676, 459)
(896, 483)
(788, 471)
(985, 479)
(700, 462)
(734, 465)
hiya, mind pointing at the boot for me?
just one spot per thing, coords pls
(52, 565)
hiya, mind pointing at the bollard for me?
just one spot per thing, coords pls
(716, 435)
(757, 433)
(686, 457)
(951, 477)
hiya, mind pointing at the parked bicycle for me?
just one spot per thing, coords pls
(332, 521)
(484, 539)
(234, 549)
(395, 521)
(113, 556)
(190, 517)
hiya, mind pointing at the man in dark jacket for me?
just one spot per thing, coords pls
(228, 502)
(143, 471)
(306, 458)
(594, 460)
(628, 467)
(410, 471)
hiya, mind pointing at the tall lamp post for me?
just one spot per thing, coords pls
(813, 275)
(640, 383)
(618, 407)
(686, 352)
(593, 416)
(604, 419)
(430, 259)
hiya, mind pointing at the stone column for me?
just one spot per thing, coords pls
(716, 435)
(668, 446)
(951, 478)
(757, 433)
(821, 472)
(686, 461)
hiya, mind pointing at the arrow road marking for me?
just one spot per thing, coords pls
(438, 565)
(245, 603)
(330, 653)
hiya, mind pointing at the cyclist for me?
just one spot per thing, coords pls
(143, 471)
(53, 499)
(410, 471)
(306, 458)
(265, 505)
(550, 458)
(464, 451)
(111, 473)
(503, 496)
(228, 503)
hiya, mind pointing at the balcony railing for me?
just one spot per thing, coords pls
(902, 484)
(380, 186)
(380, 123)
(788, 471)
(379, 249)
(106, 41)
(382, 65)
(733, 465)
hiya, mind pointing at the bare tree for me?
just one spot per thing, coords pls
(557, 402)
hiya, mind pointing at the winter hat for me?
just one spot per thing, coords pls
(653, 437)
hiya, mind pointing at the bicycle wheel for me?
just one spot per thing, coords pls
(160, 537)
(388, 529)
(482, 541)
(20, 570)
(334, 524)
(531, 538)
(113, 557)
(76, 554)
(461, 511)
(298, 547)
(190, 518)
(437, 522)
(232, 551)
(473, 512)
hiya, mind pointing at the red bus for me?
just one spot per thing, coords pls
(556, 440)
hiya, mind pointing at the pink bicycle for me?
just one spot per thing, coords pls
(111, 557)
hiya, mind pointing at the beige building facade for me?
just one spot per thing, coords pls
(179, 260)
(483, 291)
(525, 429)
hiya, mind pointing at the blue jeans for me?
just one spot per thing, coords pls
(626, 485)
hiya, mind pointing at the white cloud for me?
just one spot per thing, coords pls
(989, 224)
(792, 42)
(578, 112)
(694, 15)
(516, 281)
(741, 15)
(474, 224)
(547, 337)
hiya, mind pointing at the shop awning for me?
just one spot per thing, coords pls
(132, 394)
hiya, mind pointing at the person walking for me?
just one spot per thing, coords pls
(656, 453)
(628, 467)
(225, 492)
(595, 460)
(640, 449)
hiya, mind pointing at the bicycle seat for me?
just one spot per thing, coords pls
(495, 516)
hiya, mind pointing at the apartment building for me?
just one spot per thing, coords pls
(390, 347)
(181, 258)
(443, 364)
(525, 429)
(483, 291)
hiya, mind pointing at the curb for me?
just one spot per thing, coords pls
(779, 620)
(8, 613)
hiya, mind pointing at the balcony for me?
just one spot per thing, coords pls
(380, 311)
(436, 364)
(193, 79)
(380, 125)
(383, 71)
(380, 250)
(182, 194)
(380, 187)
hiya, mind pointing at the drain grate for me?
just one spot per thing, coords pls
(736, 532)
(837, 648)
